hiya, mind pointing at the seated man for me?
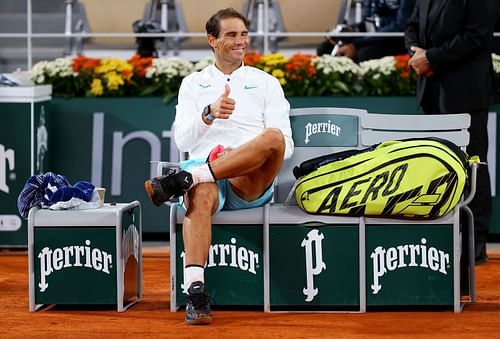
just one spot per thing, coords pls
(381, 16)
(243, 109)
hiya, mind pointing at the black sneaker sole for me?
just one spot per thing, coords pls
(148, 186)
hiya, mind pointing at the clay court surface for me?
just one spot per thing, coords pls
(152, 318)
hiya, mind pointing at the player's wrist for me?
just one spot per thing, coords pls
(207, 115)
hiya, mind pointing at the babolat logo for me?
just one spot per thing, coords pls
(321, 127)
(72, 256)
(418, 255)
(230, 255)
(313, 248)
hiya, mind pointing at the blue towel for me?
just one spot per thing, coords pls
(43, 190)
(81, 189)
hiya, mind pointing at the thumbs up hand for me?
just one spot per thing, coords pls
(224, 106)
(227, 90)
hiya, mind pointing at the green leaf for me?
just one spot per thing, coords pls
(342, 86)
(169, 97)
(149, 90)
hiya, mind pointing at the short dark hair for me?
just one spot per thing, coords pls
(213, 24)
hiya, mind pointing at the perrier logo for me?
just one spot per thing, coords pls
(385, 260)
(312, 244)
(231, 256)
(321, 127)
(72, 256)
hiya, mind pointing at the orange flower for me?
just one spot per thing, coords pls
(300, 65)
(78, 62)
(402, 65)
(126, 74)
(402, 60)
(140, 64)
(252, 58)
(82, 63)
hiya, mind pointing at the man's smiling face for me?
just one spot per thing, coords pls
(231, 44)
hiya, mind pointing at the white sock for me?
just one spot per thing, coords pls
(192, 274)
(201, 174)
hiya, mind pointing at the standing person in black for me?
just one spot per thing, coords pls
(450, 42)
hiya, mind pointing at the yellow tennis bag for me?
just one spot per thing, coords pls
(414, 178)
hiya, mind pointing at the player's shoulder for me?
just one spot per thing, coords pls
(250, 70)
(258, 74)
(197, 76)
(194, 75)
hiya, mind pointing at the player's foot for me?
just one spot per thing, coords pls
(166, 187)
(198, 310)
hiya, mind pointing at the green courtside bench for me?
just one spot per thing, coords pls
(283, 259)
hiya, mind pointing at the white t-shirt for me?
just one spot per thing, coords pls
(260, 103)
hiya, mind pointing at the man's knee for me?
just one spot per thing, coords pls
(203, 197)
(273, 139)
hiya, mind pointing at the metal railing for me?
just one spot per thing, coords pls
(262, 31)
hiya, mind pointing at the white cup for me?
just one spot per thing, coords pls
(101, 191)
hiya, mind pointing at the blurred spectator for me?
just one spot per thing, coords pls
(379, 16)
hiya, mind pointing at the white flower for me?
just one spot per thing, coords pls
(385, 66)
(170, 67)
(209, 60)
(60, 67)
(37, 72)
(328, 64)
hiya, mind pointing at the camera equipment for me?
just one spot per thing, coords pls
(146, 45)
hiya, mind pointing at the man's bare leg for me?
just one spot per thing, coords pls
(252, 167)
(201, 201)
